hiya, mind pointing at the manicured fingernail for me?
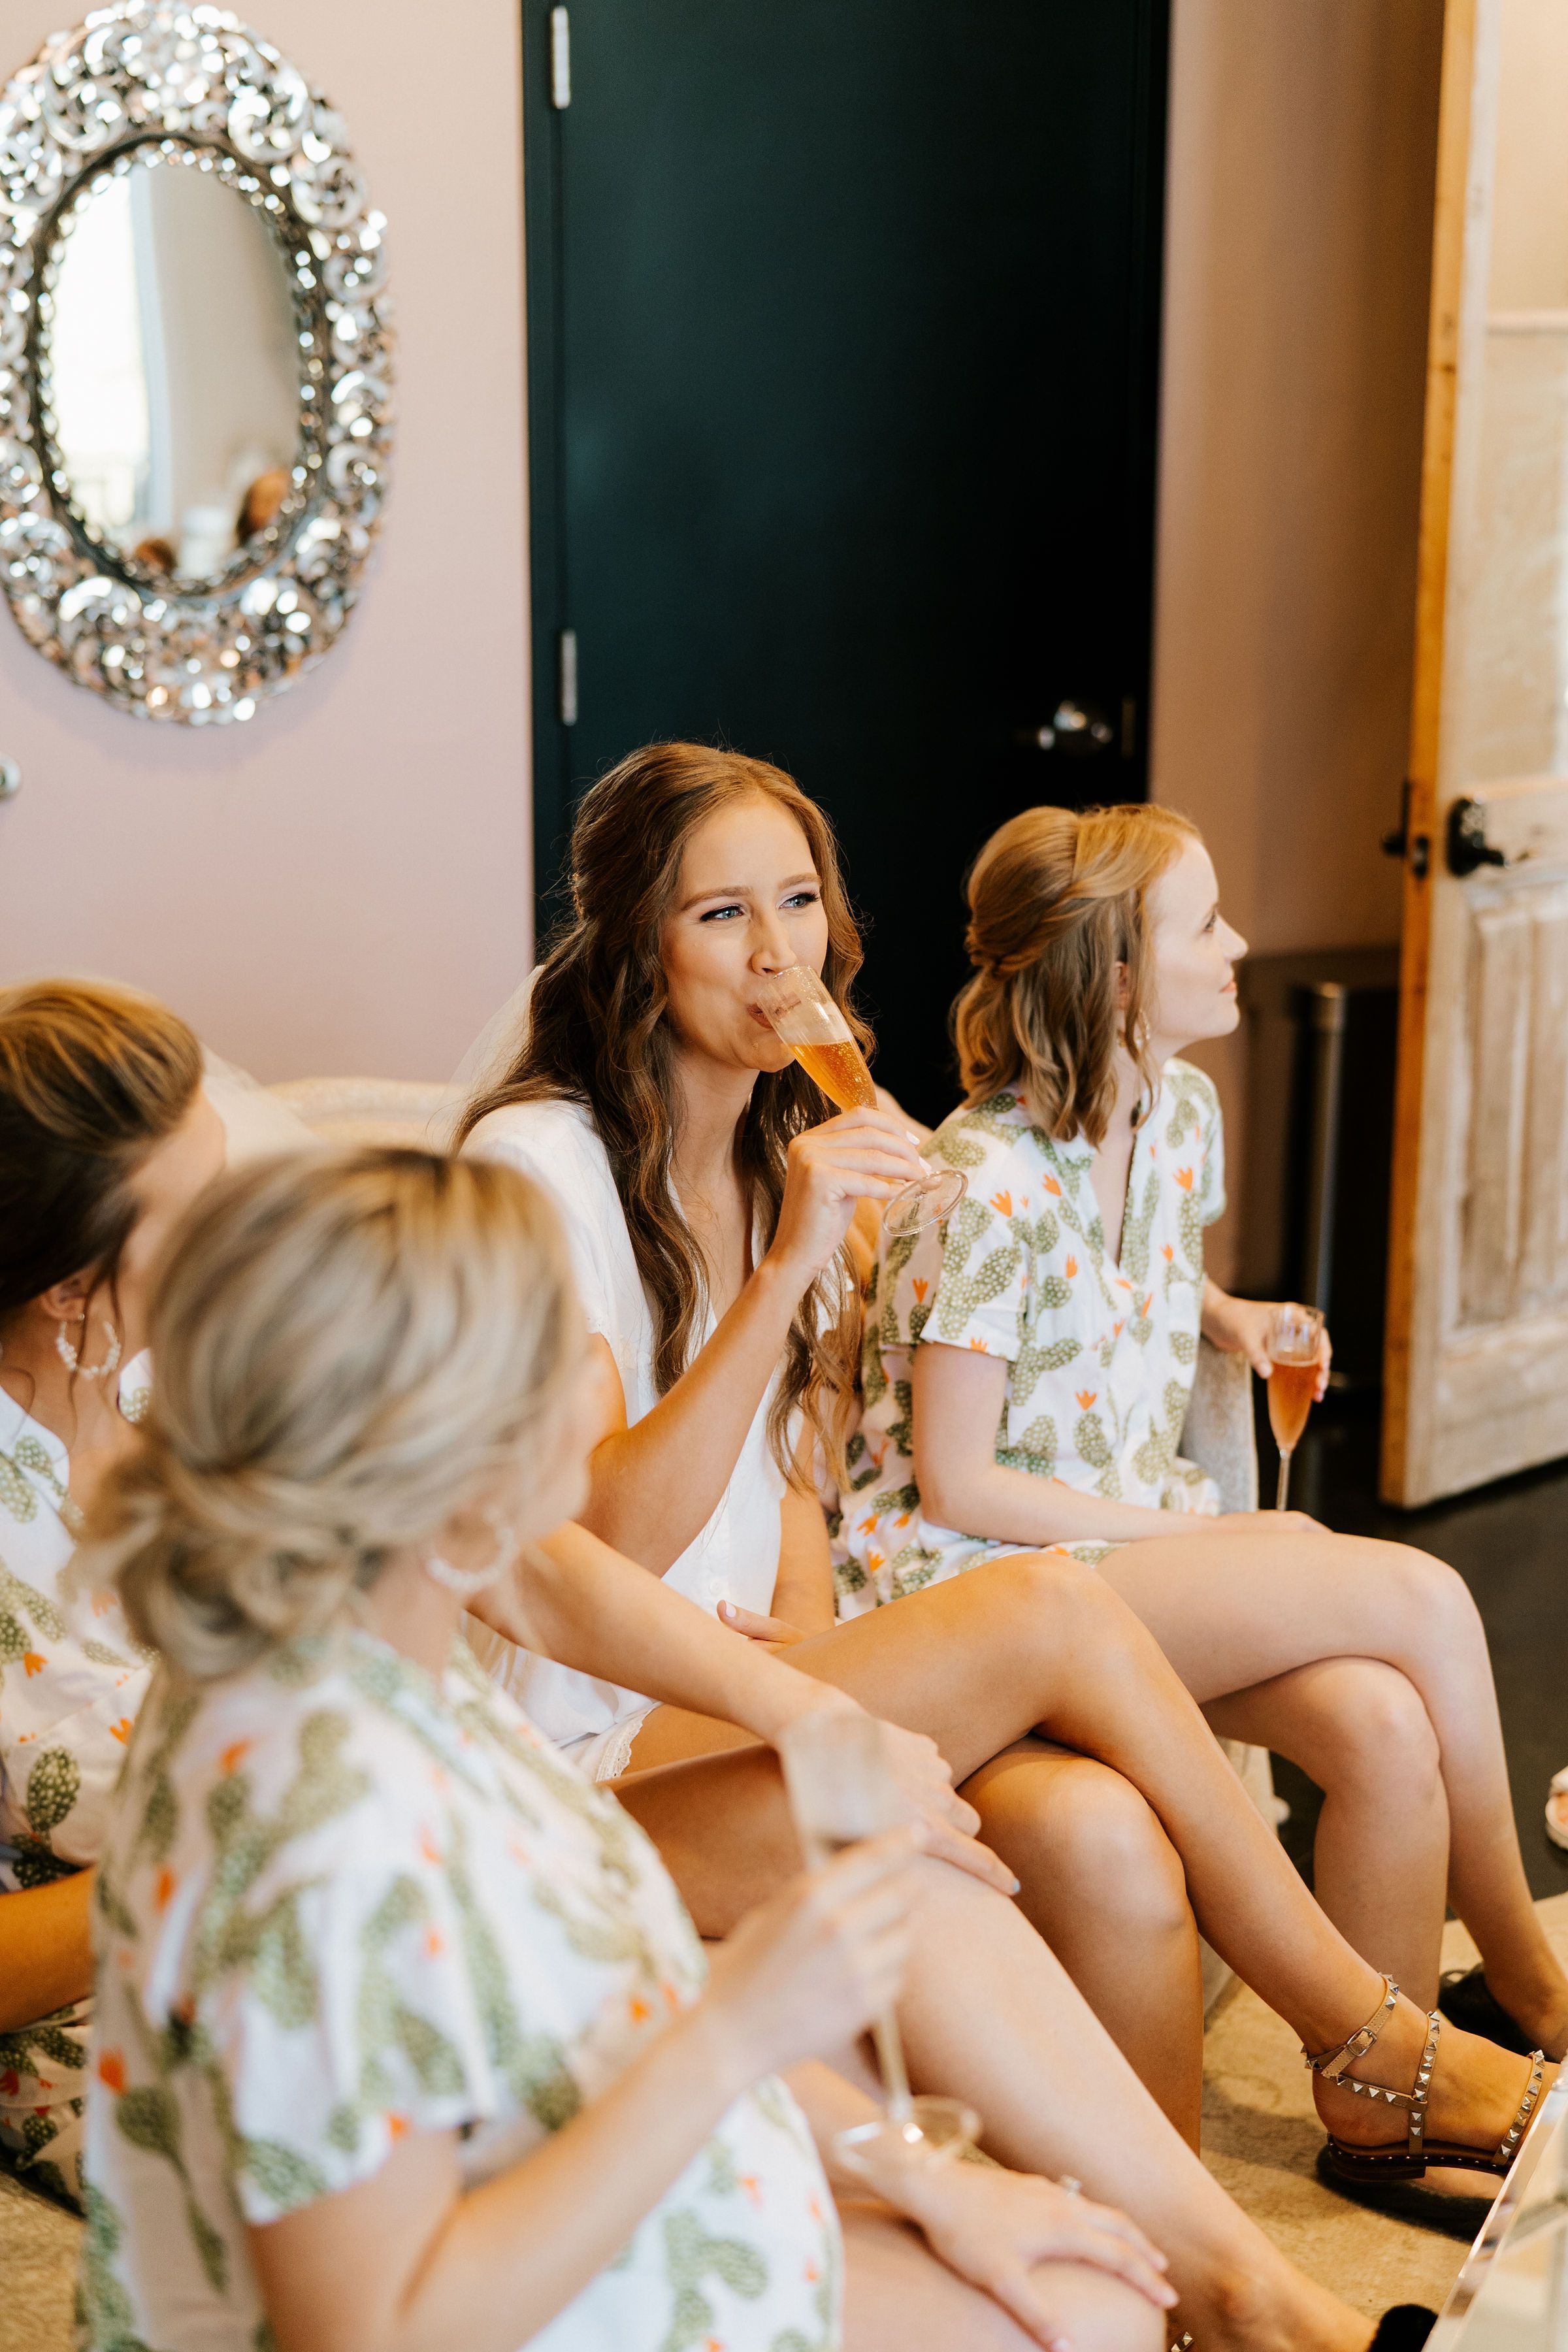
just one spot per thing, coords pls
(726, 1609)
(1015, 1886)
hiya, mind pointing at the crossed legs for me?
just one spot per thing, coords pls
(1035, 1640)
(1366, 1664)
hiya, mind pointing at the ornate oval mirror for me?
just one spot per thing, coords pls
(195, 363)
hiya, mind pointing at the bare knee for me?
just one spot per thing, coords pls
(1075, 1825)
(1372, 1729)
(1436, 1597)
(1061, 1604)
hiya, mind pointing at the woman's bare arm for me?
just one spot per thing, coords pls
(802, 1590)
(958, 1397)
(576, 1600)
(957, 1403)
(46, 1948)
(656, 1485)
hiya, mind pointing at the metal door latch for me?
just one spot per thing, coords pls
(1468, 847)
(1399, 844)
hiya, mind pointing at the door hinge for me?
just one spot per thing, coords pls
(560, 57)
(566, 676)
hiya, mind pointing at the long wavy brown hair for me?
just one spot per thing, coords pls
(1056, 901)
(599, 1035)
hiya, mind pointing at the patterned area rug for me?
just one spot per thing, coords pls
(1261, 2140)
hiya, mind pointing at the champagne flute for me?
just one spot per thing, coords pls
(802, 1016)
(841, 1789)
(1295, 1347)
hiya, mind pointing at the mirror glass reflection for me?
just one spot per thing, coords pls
(172, 365)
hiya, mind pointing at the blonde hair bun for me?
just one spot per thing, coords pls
(348, 1349)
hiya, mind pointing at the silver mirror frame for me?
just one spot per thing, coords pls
(214, 98)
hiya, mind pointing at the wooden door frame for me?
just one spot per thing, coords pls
(1413, 1207)
(543, 211)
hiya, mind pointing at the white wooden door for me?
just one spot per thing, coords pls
(1477, 1368)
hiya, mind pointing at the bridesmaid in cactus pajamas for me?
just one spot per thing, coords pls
(1100, 1350)
(1027, 1372)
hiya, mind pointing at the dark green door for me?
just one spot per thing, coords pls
(843, 318)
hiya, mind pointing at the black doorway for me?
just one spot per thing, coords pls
(843, 334)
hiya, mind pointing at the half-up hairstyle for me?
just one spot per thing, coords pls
(349, 1349)
(598, 1036)
(92, 1079)
(1057, 901)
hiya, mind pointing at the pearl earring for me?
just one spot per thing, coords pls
(70, 1357)
(465, 1582)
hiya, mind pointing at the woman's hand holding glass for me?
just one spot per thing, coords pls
(808, 1970)
(860, 1155)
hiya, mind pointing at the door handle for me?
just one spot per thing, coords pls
(1468, 847)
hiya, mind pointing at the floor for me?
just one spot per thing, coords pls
(1508, 1543)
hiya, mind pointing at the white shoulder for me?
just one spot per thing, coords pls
(555, 1143)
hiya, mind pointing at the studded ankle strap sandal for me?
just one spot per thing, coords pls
(1409, 2161)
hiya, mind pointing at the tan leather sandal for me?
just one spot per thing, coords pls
(1409, 2161)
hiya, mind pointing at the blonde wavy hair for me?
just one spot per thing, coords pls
(349, 1349)
(1056, 901)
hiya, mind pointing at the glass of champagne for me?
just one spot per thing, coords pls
(841, 1789)
(1295, 1346)
(803, 1017)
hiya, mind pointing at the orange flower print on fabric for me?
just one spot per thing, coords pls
(234, 1756)
(873, 1560)
(111, 2071)
(1003, 1203)
(397, 2126)
(1185, 1179)
(123, 1730)
(1070, 1268)
(435, 1943)
(10, 2083)
(753, 2188)
(868, 1526)
(920, 1285)
(428, 1847)
(33, 1661)
(1166, 1252)
(639, 2010)
(1052, 1187)
(979, 1347)
(165, 1887)
(1086, 1397)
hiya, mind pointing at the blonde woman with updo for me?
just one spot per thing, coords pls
(404, 2039)
(104, 1139)
(1026, 1374)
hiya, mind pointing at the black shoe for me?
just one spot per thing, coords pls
(1466, 2000)
(1403, 2329)
(1456, 2217)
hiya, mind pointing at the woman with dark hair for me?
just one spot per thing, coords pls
(706, 1202)
(104, 1138)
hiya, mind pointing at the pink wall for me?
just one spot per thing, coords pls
(1302, 158)
(343, 885)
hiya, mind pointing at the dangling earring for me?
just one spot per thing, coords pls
(468, 1580)
(70, 1357)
